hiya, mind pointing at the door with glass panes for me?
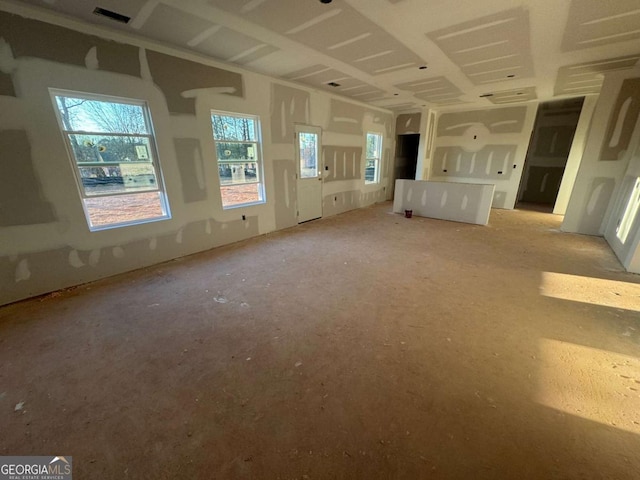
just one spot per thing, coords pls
(309, 174)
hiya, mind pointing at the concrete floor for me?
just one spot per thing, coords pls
(364, 345)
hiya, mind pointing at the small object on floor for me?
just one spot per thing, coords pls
(408, 213)
(19, 406)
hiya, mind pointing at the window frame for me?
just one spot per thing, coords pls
(160, 188)
(258, 156)
(377, 160)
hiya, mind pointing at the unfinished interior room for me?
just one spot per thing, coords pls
(320, 239)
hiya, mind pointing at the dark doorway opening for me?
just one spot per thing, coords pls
(406, 156)
(549, 148)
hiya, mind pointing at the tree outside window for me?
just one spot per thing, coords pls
(113, 154)
(373, 159)
(239, 160)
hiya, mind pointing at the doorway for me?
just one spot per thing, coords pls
(549, 148)
(309, 174)
(406, 156)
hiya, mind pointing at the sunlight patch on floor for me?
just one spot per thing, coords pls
(596, 291)
(590, 383)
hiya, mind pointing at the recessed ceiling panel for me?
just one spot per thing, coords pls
(335, 29)
(438, 90)
(513, 96)
(598, 22)
(585, 78)
(491, 48)
(233, 46)
(175, 26)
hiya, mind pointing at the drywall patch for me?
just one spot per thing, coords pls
(499, 199)
(341, 202)
(192, 76)
(31, 38)
(408, 123)
(592, 23)
(288, 106)
(497, 120)
(595, 206)
(622, 122)
(345, 118)
(23, 272)
(94, 257)
(488, 48)
(6, 85)
(191, 168)
(344, 162)
(284, 178)
(585, 78)
(74, 259)
(21, 199)
(491, 162)
(543, 184)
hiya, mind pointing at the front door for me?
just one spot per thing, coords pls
(309, 173)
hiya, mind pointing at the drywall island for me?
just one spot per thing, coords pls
(459, 202)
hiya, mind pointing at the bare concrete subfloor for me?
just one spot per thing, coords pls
(361, 346)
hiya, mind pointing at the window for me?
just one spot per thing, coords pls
(374, 158)
(239, 166)
(113, 153)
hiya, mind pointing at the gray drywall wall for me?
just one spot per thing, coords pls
(345, 163)
(549, 150)
(192, 76)
(46, 243)
(407, 123)
(191, 166)
(6, 85)
(345, 117)
(598, 177)
(284, 179)
(622, 122)
(288, 107)
(623, 226)
(484, 146)
(22, 201)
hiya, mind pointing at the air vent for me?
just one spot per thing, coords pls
(486, 95)
(112, 15)
(333, 84)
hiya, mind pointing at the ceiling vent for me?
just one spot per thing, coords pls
(333, 84)
(111, 15)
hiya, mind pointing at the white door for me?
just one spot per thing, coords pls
(309, 173)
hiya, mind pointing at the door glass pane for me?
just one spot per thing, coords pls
(308, 143)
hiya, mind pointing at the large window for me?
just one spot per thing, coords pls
(374, 158)
(237, 141)
(113, 153)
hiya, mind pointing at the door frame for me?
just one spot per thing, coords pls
(305, 128)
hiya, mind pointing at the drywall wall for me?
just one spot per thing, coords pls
(575, 155)
(46, 243)
(484, 146)
(623, 226)
(458, 202)
(548, 153)
(605, 157)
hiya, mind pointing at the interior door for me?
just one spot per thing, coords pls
(309, 173)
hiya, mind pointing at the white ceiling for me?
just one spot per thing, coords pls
(516, 50)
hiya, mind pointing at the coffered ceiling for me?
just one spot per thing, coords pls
(398, 54)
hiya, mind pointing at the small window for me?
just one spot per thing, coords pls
(113, 153)
(238, 151)
(374, 158)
